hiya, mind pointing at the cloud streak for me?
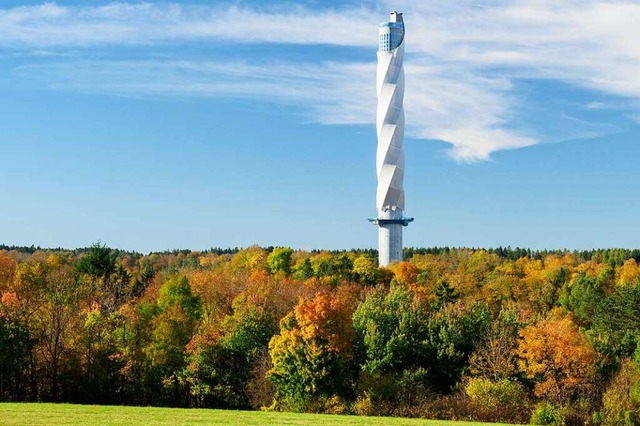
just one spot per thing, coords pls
(142, 23)
(462, 59)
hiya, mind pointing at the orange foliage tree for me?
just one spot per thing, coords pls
(559, 358)
(7, 269)
(313, 353)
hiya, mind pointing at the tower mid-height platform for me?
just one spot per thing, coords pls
(390, 131)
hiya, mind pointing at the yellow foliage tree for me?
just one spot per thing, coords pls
(407, 273)
(628, 272)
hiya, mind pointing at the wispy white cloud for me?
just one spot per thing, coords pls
(462, 59)
(598, 105)
(450, 108)
(141, 23)
(325, 88)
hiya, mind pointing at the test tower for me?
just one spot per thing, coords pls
(390, 130)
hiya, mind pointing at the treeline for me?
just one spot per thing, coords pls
(512, 335)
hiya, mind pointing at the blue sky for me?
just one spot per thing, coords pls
(162, 125)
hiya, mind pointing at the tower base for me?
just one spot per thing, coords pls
(390, 224)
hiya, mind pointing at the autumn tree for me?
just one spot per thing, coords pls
(216, 290)
(406, 273)
(54, 320)
(628, 273)
(222, 356)
(7, 269)
(47, 299)
(441, 335)
(621, 401)
(543, 281)
(252, 258)
(312, 355)
(559, 359)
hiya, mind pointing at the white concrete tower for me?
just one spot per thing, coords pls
(390, 130)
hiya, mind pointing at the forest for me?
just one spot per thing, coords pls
(510, 335)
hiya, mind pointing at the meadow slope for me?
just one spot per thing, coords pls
(32, 414)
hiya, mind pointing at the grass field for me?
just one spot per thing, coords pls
(13, 414)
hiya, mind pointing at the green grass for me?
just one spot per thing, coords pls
(99, 415)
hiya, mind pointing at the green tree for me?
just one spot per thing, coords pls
(304, 270)
(99, 262)
(279, 260)
(584, 298)
(220, 367)
(616, 324)
(391, 333)
(390, 330)
(444, 293)
(453, 333)
(98, 265)
(15, 350)
(173, 327)
(366, 271)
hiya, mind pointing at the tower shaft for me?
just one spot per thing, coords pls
(390, 132)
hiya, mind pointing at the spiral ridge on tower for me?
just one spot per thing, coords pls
(390, 115)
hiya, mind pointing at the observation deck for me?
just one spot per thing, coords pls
(404, 221)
